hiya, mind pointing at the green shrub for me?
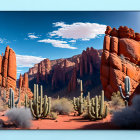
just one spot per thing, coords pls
(117, 102)
(62, 106)
(53, 115)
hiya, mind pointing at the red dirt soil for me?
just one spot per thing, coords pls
(65, 122)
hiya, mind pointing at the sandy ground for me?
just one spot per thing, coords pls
(65, 122)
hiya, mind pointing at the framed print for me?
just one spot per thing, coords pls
(69, 70)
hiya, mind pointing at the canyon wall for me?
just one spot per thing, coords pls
(63, 73)
(120, 58)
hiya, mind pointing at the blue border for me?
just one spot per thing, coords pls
(94, 5)
(32, 5)
(68, 135)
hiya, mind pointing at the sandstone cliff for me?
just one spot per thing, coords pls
(8, 69)
(8, 75)
(120, 57)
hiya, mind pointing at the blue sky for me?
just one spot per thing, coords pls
(38, 35)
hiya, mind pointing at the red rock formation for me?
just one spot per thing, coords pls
(73, 81)
(20, 81)
(25, 83)
(120, 57)
(24, 86)
(122, 32)
(8, 69)
(59, 72)
(89, 59)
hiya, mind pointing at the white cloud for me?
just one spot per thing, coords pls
(57, 43)
(27, 60)
(32, 36)
(78, 30)
(3, 40)
(72, 41)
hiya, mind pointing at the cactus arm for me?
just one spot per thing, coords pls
(13, 105)
(41, 95)
(31, 108)
(96, 107)
(102, 104)
(127, 85)
(26, 100)
(49, 105)
(106, 111)
(81, 86)
(121, 93)
(91, 113)
(45, 106)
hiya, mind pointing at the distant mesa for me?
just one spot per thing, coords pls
(120, 58)
(63, 73)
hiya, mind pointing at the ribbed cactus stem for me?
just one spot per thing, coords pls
(41, 96)
(26, 100)
(49, 105)
(81, 86)
(127, 85)
(96, 107)
(34, 92)
(127, 90)
(102, 104)
(37, 108)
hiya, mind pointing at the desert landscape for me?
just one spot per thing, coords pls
(97, 89)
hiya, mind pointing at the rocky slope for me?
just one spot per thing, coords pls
(56, 75)
(120, 58)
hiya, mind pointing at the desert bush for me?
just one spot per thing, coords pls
(20, 116)
(62, 106)
(116, 102)
(129, 117)
(53, 115)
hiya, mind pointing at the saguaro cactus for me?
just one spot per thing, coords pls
(127, 90)
(96, 108)
(11, 103)
(40, 107)
(79, 102)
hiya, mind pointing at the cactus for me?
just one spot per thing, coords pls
(11, 103)
(79, 102)
(96, 109)
(40, 107)
(26, 102)
(127, 90)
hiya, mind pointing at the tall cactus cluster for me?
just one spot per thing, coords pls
(79, 103)
(95, 107)
(40, 107)
(11, 102)
(127, 90)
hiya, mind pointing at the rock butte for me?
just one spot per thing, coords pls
(8, 69)
(120, 58)
(8, 75)
(24, 86)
